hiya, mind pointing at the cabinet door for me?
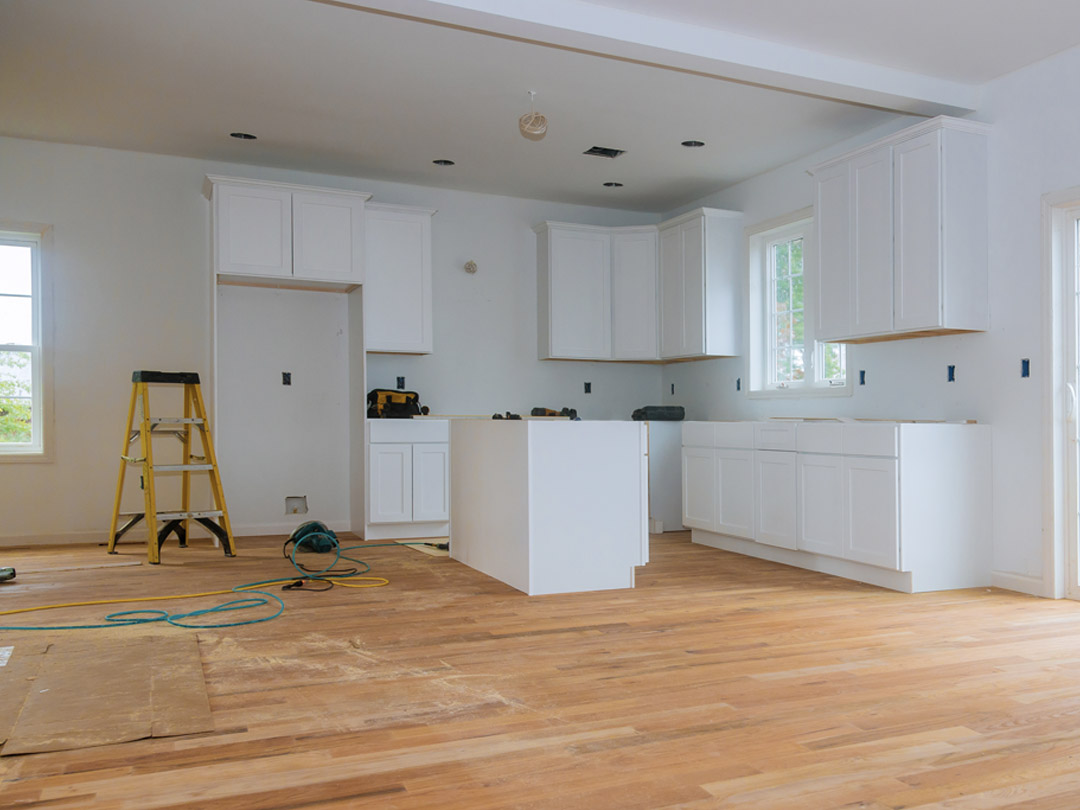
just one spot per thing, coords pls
(430, 482)
(328, 237)
(832, 275)
(735, 493)
(699, 488)
(671, 293)
(253, 230)
(693, 309)
(872, 529)
(917, 224)
(391, 486)
(397, 282)
(633, 296)
(821, 504)
(872, 249)
(580, 294)
(774, 474)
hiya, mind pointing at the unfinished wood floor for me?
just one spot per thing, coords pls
(720, 681)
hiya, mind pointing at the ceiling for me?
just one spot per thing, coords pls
(380, 88)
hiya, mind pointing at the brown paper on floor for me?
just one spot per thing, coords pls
(95, 692)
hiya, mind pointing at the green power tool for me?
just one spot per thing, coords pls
(6, 574)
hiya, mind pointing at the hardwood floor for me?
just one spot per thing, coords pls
(720, 681)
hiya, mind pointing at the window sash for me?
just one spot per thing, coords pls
(36, 445)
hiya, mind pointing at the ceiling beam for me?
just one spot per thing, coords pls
(681, 46)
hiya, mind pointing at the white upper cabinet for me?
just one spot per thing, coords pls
(397, 285)
(286, 235)
(596, 290)
(701, 284)
(902, 235)
(633, 294)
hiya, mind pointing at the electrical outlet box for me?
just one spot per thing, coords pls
(738, 383)
(286, 378)
(952, 373)
(1025, 367)
(401, 383)
(588, 388)
(862, 376)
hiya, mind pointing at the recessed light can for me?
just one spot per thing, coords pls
(242, 136)
(693, 144)
(443, 162)
(612, 184)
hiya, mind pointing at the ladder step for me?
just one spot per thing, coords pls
(182, 467)
(179, 515)
(176, 420)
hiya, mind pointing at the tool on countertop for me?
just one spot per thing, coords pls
(387, 403)
(569, 413)
(659, 413)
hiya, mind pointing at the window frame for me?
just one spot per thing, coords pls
(38, 237)
(759, 239)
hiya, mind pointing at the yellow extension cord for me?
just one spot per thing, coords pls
(373, 582)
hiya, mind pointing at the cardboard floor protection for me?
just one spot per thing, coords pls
(433, 552)
(81, 692)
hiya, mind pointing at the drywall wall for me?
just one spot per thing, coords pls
(131, 286)
(1035, 114)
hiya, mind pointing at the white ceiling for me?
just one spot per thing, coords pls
(380, 88)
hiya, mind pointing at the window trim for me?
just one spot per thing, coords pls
(758, 238)
(41, 350)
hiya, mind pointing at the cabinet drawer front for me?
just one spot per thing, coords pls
(697, 434)
(733, 434)
(870, 440)
(820, 437)
(774, 435)
(409, 430)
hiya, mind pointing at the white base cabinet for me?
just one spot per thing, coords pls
(904, 506)
(408, 479)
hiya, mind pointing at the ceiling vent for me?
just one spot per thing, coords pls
(604, 151)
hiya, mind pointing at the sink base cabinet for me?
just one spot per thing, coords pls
(901, 506)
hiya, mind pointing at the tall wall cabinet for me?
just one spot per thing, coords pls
(902, 235)
(645, 293)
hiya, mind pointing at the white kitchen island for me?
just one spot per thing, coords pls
(550, 506)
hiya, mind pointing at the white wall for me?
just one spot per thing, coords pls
(1035, 115)
(130, 273)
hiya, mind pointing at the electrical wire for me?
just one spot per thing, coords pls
(349, 578)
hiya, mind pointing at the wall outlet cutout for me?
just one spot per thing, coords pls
(952, 373)
(673, 389)
(588, 388)
(738, 383)
(286, 378)
(296, 504)
(862, 376)
(1025, 367)
(401, 383)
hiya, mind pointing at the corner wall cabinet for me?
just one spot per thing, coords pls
(903, 506)
(408, 478)
(596, 289)
(277, 234)
(397, 283)
(701, 284)
(902, 235)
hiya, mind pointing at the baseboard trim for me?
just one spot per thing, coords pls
(1021, 583)
(62, 539)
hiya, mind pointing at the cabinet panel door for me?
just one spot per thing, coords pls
(774, 473)
(831, 277)
(397, 283)
(699, 488)
(821, 504)
(254, 230)
(872, 254)
(693, 244)
(580, 294)
(872, 529)
(391, 486)
(917, 224)
(431, 482)
(735, 493)
(328, 237)
(671, 293)
(633, 296)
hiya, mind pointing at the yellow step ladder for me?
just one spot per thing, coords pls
(143, 427)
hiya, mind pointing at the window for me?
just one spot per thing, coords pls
(22, 409)
(784, 357)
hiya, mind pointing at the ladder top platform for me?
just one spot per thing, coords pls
(181, 377)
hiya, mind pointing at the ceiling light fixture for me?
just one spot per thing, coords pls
(693, 144)
(533, 125)
(443, 162)
(612, 184)
(242, 136)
